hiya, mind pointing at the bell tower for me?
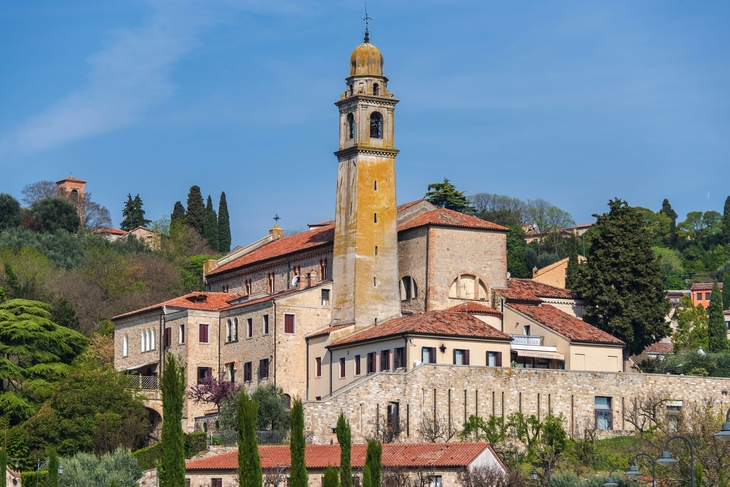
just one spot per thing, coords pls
(365, 266)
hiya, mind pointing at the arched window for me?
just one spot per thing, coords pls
(468, 286)
(376, 125)
(75, 195)
(153, 343)
(408, 288)
(229, 331)
(376, 89)
(350, 126)
(125, 346)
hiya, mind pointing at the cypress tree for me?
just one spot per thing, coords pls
(726, 293)
(224, 225)
(171, 468)
(196, 209)
(344, 438)
(373, 464)
(297, 446)
(210, 226)
(716, 329)
(3, 465)
(178, 212)
(330, 477)
(52, 469)
(726, 222)
(571, 273)
(249, 461)
(671, 238)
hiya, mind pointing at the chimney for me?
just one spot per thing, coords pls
(276, 232)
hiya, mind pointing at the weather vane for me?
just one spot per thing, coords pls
(366, 19)
(277, 218)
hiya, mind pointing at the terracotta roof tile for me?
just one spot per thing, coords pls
(704, 286)
(475, 308)
(561, 322)
(283, 246)
(445, 323)
(442, 455)
(450, 218)
(529, 290)
(207, 301)
(660, 347)
(111, 230)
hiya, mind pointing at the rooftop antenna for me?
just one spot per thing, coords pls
(366, 19)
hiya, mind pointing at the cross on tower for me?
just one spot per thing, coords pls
(366, 19)
(277, 218)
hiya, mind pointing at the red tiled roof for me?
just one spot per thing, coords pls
(474, 308)
(561, 322)
(660, 347)
(529, 290)
(704, 286)
(207, 301)
(71, 178)
(286, 245)
(445, 323)
(112, 230)
(450, 218)
(435, 455)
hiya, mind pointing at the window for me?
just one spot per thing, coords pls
(168, 336)
(708, 296)
(271, 282)
(149, 340)
(325, 297)
(232, 330)
(399, 357)
(372, 356)
(375, 218)
(125, 346)
(376, 125)
(181, 334)
(428, 355)
(376, 89)
(604, 413)
(287, 401)
(231, 371)
(408, 288)
(358, 370)
(350, 124)
(266, 325)
(203, 333)
(434, 481)
(461, 357)
(263, 369)
(343, 372)
(375, 282)
(494, 359)
(318, 367)
(289, 323)
(187, 482)
(384, 360)
(376, 250)
(216, 482)
(674, 415)
(248, 284)
(393, 418)
(323, 270)
(375, 185)
(204, 373)
(247, 372)
(249, 327)
(468, 286)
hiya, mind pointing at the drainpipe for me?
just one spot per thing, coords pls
(330, 372)
(306, 393)
(405, 353)
(273, 301)
(428, 248)
(162, 340)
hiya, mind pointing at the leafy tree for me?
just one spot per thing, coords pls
(547, 217)
(273, 413)
(552, 443)
(329, 479)
(87, 470)
(344, 438)
(620, 281)
(95, 215)
(503, 210)
(445, 195)
(224, 225)
(726, 222)
(37, 191)
(671, 238)
(54, 214)
(52, 469)
(494, 430)
(210, 225)
(133, 214)
(373, 464)
(297, 446)
(64, 314)
(691, 332)
(716, 328)
(9, 212)
(212, 390)
(516, 253)
(195, 215)
(171, 470)
(249, 462)
(670, 267)
(178, 212)
(35, 355)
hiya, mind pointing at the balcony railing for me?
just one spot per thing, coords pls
(532, 340)
(145, 382)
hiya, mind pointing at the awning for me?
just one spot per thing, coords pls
(537, 354)
(136, 367)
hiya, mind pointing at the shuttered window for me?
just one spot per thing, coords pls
(288, 323)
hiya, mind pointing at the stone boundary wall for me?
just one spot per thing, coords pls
(453, 393)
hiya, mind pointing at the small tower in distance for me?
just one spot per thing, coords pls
(365, 266)
(74, 190)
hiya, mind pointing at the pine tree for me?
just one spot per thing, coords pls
(178, 212)
(210, 226)
(133, 214)
(171, 468)
(620, 282)
(224, 225)
(726, 222)
(571, 272)
(669, 211)
(329, 479)
(297, 446)
(716, 328)
(249, 461)
(52, 469)
(344, 438)
(445, 195)
(195, 215)
(373, 464)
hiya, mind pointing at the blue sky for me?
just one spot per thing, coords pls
(573, 102)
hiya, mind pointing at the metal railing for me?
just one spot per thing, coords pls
(532, 340)
(145, 382)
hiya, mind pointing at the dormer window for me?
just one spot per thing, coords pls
(376, 89)
(376, 125)
(350, 126)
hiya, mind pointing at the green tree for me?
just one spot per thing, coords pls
(178, 212)
(716, 328)
(273, 413)
(372, 471)
(3, 466)
(297, 446)
(35, 356)
(52, 469)
(516, 253)
(445, 195)
(249, 462)
(571, 273)
(493, 430)
(329, 479)
(503, 210)
(64, 314)
(87, 470)
(725, 282)
(224, 225)
(133, 214)
(195, 216)
(553, 439)
(54, 214)
(691, 332)
(210, 225)
(726, 222)
(344, 438)
(171, 469)
(620, 281)
(671, 238)
(9, 212)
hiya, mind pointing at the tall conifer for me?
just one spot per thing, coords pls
(4, 464)
(671, 239)
(178, 212)
(571, 273)
(249, 461)
(329, 479)
(726, 222)
(52, 469)
(195, 215)
(344, 438)
(716, 328)
(133, 214)
(224, 225)
(373, 464)
(173, 383)
(210, 225)
(297, 446)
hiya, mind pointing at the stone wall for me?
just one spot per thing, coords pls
(412, 246)
(454, 393)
